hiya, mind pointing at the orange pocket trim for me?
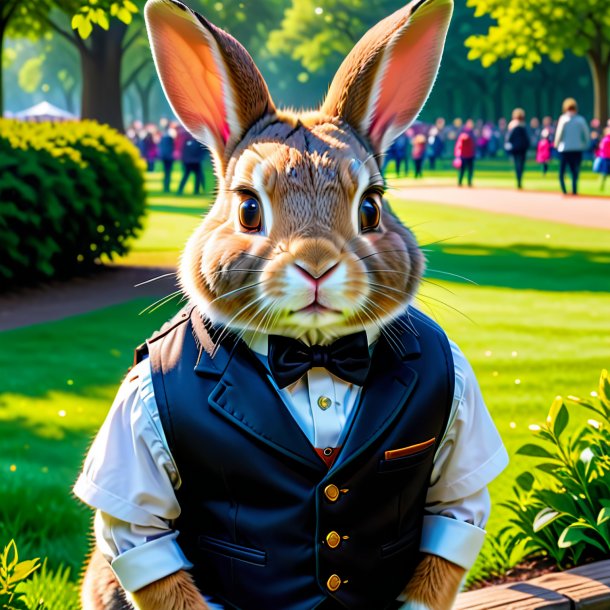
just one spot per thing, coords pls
(410, 450)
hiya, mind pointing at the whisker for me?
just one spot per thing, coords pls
(461, 277)
(425, 296)
(440, 241)
(160, 302)
(154, 279)
(235, 291)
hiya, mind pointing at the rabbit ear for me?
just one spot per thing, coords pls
(385, 80)
(209, 79)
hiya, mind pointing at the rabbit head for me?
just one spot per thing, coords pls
(300, 240)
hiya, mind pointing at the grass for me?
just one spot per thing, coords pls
(535, 326)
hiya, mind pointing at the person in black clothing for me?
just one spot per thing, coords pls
(193, 154)
(166, 154)
(517, 143)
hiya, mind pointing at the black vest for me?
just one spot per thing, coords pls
(266, 524)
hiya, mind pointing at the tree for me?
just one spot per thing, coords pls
(525, 31)
(96, 29)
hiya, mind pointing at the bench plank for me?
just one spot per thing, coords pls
(583, 588)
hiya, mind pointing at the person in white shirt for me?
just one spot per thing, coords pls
(572, 138)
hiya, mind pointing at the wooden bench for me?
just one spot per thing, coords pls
(586, 587)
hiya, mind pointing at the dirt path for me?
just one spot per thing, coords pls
(581, 211)
(57, 300)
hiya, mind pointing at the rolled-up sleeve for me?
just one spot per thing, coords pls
(130, 477)
(469, 457)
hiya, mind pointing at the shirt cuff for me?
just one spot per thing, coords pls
(149, 562)
(453, 540)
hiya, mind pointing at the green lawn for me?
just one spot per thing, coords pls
(499, 173)
(539, 315)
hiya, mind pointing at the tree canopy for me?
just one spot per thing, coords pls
(525, 31)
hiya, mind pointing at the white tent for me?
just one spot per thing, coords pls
(45, 112)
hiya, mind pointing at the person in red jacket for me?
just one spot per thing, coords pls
(543, 150)
(602, 160)
(464, 152)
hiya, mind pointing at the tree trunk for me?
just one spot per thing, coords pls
(101, 72)
(600, 66)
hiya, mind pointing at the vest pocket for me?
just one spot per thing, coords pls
(232, 551)
(402, 463)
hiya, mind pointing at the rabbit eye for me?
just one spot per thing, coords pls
(370, 213)
(250, 214)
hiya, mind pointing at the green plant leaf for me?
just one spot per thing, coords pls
(604, 515)
(578, 533)
(25, 568)
(558, 416)
(535, 451)
(548, 467)
(545, 517)
(525, 481)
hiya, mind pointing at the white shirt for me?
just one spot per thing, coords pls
(130, 477)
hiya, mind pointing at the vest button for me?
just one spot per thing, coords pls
(324, 402)
(328, 451)
(333, 583)
(333, 539)
(331, 492)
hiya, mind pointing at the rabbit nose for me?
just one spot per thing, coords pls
(313, 276)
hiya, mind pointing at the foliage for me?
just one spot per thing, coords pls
(50, 590)
(565, 510)
(528, 30)
(71, 193)
(13, 572)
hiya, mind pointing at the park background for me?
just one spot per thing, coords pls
(525, 296)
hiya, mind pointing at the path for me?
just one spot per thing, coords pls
(61, 299)
(581, 211)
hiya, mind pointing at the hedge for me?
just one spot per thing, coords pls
(70, 194)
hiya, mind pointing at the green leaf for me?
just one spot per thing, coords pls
(558, 416)
(604, 515)
(548, 467)
(84, 28)
(535, 451)
(525, 480)
(545, 517)
(578, 533)
(25, 568)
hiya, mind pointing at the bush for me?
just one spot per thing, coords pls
(70, 193)
(564, 511)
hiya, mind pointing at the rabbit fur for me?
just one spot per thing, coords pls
(308, 270)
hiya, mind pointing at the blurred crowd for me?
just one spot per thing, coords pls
(169, 143)
(570, 138)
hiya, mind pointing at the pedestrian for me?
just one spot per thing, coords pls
(517, 142)
(193, 154)
(166, 154)
(435, 146)
(398, 152)
(571, 140)
(543, 150)
(418, 153)
(464, 152)
(601, 165)
(149, 149)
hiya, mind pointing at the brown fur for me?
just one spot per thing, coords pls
(174, 592)
(435, 584)
(100, 590)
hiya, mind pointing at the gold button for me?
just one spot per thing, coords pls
(333, 540)
(324, 402)
(328, 451)
(331, 492)
(333, 583)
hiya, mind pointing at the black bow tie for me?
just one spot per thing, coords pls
(348, 358)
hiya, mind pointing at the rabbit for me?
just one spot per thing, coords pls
(300, 241)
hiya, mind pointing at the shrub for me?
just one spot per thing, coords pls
(70, 193)
(564, 511)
